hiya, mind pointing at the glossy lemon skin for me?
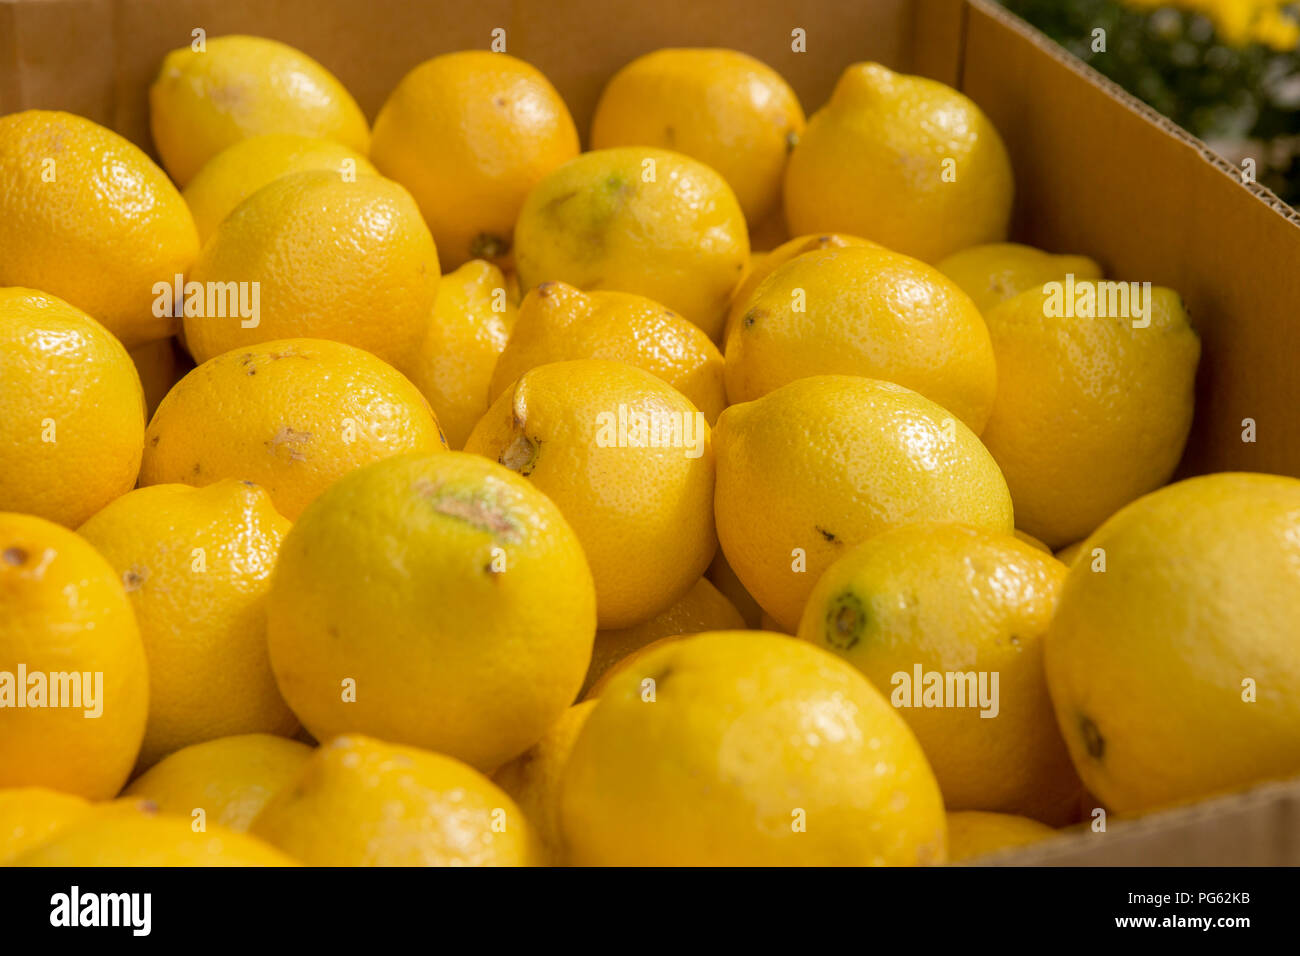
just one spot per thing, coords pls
(439, 601)
(470, 134)
(196, 564)
(1174, 670)
(724, 108)
(756, 750)
(202, 102)
(86, 216)
(72, 411)
(292, 416)
(357, 801)
(864, 311)
(997, 271)
(352, 262)
(558, 323)
(559, 425)
(65, 611)
(955, 599)
(904, 161)
(637, 219)
(819, 465)
(1090, 413)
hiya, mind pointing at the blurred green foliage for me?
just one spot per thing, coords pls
(1243, 100)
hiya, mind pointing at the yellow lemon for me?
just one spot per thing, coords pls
(558, 322)
(724, 578)
(74, 687)
(972, 834)
(533, 778)
(821, 464)
(1070, 553)
(31, 815)
(1033, 542)
(1175, 671)
(901, 160)
(244, 167)
(702, 608)
(627, 460)
(86, 216)
(160, 365)
(291, 416)
(196, 564)
(1091, 412)
(229, 779)
(436, 600)
(472, 318)
(738, 748)
(864, 311)
(71, 410)
(360, 802)
(470, 134)
(310, 255)
(637, 219)
(204, 100)
(997, 271)
(139, 839)
(947, 621)
(722, 107)
(763, 264)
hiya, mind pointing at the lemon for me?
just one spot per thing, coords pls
(627, 460)
(31, 815)
(1033, 542)
(637, 219)
(86, 216)
(533, 778)
(1090, 412)
(160, 365)
(470, 134)
(824, 463)
(229, 779)
(972, 834)
(236, 87)
(902, 160)
(558, 322)
(69, 649)
(291, 416)
(947, 599)
(244, 167)
(472, 318)
(196, 564)
(140, 839)
(436, 600)
(71, 410)
(724, 578)
(763, 264)
(864, 311)
(352, 262)
(737, 748)
(702, 608)
(722, 107)
(1174, 671)
(360, 802)
(1070, 553)
(994, 272)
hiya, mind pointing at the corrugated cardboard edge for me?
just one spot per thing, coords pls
(1258, 827)
(1072, 63)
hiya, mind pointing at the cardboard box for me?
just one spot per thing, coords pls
(1096, 173)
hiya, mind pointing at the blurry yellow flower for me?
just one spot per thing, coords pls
(1241, 22)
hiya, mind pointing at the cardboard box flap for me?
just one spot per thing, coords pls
(1259, 827)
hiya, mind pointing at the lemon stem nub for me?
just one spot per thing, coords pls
(520, 455)
(845, 620)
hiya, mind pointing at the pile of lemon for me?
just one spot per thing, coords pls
(437, 493)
